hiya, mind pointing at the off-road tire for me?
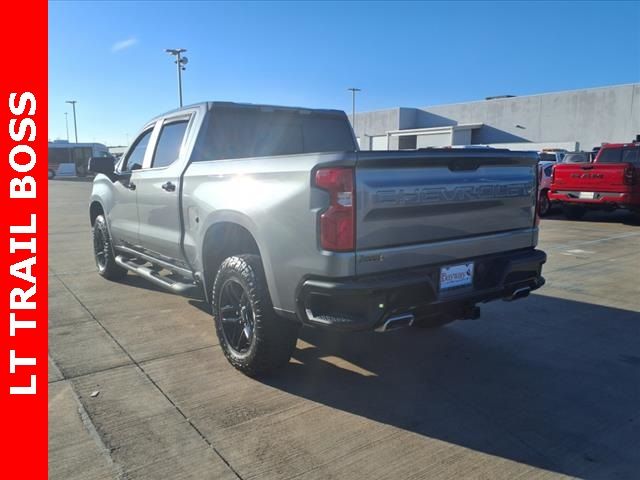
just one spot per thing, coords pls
(103, 251)
(573, 212)
(274, 338)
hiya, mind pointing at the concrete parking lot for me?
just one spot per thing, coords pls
(539, 388)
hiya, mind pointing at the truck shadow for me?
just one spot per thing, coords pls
(551, 383)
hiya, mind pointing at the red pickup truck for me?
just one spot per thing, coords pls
(611, 181)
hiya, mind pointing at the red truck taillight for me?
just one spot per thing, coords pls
(337, 223)
(629, 177)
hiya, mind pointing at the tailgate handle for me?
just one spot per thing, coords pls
(587, 167)
(463, 165)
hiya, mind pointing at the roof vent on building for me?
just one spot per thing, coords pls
(496, 97)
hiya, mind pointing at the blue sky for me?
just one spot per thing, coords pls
(109, 56)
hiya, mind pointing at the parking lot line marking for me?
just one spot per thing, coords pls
(599, 240)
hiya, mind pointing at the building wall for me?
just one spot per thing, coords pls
(589, 117)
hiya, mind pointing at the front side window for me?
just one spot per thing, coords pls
(169, 143)
(136, 157)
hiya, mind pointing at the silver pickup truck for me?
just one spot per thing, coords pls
(280, 221)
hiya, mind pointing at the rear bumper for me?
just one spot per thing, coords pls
(601, 199)
(366, 302)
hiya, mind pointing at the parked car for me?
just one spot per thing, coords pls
(610, 182)
(545, 170)
(280, 221)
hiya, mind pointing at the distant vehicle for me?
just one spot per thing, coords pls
(281, 221)
(76, 153)
(552, 155)
(610, 182)
(545, 171)
(577, 157)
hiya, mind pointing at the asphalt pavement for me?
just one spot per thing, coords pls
(542, 387)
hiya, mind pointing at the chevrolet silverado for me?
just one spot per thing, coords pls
(279, 220)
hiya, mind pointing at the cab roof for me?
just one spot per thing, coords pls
(257, 106)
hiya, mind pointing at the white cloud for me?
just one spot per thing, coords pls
(124, 44)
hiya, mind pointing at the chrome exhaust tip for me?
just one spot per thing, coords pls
(398, 321)
(518, 294)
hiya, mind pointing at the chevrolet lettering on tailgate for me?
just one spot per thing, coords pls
(456, 193)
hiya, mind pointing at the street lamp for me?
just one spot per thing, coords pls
(66, 123)
(353, 91)
(180, 65)
(75, 125)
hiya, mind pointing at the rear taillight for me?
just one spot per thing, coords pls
(337, 223)
(629, 177)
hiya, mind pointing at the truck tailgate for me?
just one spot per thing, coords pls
(604, 177)
(406, 198)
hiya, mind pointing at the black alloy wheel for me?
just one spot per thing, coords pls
(238, 319)
(100, 248)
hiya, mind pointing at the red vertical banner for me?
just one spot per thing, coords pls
(23, 247)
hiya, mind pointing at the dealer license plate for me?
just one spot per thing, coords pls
(454, 276)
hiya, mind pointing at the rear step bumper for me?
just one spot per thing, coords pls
(371, 302)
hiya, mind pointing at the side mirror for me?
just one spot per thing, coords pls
(104, 165)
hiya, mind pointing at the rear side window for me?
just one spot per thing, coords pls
(169, 142)
(239, 132)
(610, 155)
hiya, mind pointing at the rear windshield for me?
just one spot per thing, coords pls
(237, 132)
(576, 158)
(548, 157)
(610, 155)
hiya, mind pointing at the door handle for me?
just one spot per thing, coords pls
(169, 187)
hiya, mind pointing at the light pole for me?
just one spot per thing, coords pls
(75, 124)
(66, 123)
(180, 62)
(353, 91)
